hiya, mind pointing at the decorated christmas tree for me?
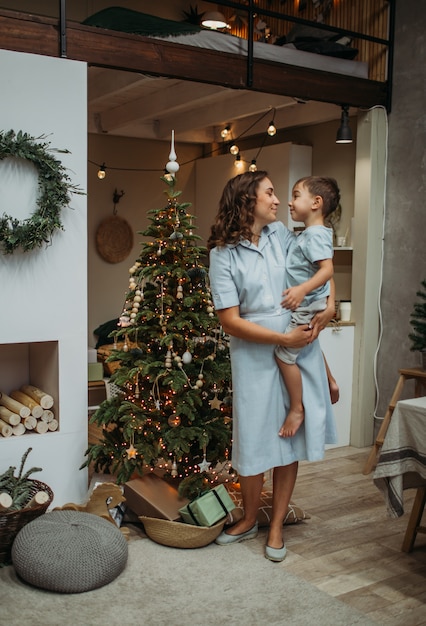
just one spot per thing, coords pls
(418, 321)
(173, 406)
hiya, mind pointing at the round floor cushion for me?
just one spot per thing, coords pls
(69, 552)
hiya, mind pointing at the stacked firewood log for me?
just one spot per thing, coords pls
(27, 410)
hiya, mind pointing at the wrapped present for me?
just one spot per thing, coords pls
(95, 371)
(208, 508)
(151, 496)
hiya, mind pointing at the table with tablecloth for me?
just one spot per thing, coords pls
(402, 461)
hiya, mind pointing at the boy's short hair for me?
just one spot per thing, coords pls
(325, 187)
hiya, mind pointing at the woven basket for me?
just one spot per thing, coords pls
(179, 535)
(12, 522)
(114, 239)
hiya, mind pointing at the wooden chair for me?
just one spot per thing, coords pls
(413, 526)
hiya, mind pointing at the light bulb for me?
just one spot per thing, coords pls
(238, 163)
(271, 129)
(101, 171)
(225, 132)
(234, 149)
(253, 166)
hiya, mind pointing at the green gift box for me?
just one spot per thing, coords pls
(208, 508)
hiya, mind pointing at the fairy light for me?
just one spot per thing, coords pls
(271, 129)
(101, 171)
(225, 132)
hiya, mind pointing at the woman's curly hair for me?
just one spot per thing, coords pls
(235, 217)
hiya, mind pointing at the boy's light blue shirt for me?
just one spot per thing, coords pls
(311, 245)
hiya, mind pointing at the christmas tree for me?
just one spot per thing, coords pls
(173, 406)
(418, 322)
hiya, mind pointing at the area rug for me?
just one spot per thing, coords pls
(212, 586)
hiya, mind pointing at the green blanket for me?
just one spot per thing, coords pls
(128, 21)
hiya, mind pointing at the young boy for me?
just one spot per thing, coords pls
(309, 268)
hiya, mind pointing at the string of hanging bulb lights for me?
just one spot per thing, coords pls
(226, 135)
(232, 145)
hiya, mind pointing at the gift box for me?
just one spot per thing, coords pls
(209, 508)
(95, 371)
(151, 496)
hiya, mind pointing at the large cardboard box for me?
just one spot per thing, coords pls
(209, 508)
(153, 497)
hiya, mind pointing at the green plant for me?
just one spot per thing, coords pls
(192, 16)
(418, 321)
(18, 487)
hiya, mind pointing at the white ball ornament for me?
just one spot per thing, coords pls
(199, 384)
(187, 357)
(210, 309)
(172, 167)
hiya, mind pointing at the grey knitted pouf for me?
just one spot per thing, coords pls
(69, 552)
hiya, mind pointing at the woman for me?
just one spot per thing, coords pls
(248, 248)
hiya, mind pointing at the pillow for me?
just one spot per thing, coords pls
(129, 21)
(300, 32)
(294, 513)
(104, 352)
(103, 332)
(328, 48)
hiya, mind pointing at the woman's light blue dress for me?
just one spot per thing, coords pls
(253, 278)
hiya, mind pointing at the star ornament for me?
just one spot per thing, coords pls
(215, 403)
(204, 465)
(131, 452)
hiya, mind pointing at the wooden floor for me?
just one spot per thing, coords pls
(350, 548)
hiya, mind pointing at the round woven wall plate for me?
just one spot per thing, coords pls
(114, 239)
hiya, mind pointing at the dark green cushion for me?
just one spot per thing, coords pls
(128, 21)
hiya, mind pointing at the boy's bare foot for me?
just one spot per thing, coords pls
(292, 423)
(334, 391)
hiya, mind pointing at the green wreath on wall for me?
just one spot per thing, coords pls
(54, 186)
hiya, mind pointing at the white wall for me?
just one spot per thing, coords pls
(44, 292)
(284, 162)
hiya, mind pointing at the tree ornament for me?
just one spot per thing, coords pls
(174, 420)
(172, 166)
(187, 357)
(174, 471)
(131, 452)
(204, 465)
(54, 186)
(215, 403)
